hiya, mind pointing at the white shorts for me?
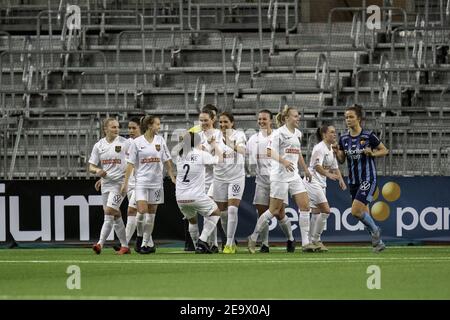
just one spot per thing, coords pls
(131, 194)
(112, 199)
(204, 207)
(223, 191)
(279, 190)
(262, 195)
(316, 193)
(151, 195)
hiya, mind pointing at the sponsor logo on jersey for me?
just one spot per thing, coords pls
(157, 147)
(292, 150)
(118, 149)
(111, 161)
(150, 160)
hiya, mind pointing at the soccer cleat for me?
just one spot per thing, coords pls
(321, 246)
(97, 248)
(310, 248)
(376, 237)
(116, 247)
(202, 247)
(214, 249)
(138, 244)
(251, 245)
(264, 249)
(124, 250)
(147, 250)
(290, 246)
(379, 247)
(229, 249)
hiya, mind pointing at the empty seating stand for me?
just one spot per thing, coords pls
(62, 70)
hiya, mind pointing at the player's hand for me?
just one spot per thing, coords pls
(368, 152)
(332, 176)
(173, 179)
(288, 165)
(98, 185)
(335, 148)
(101, 173)
(211, 140)
(124, 189)
(342, 185)
(308, 175)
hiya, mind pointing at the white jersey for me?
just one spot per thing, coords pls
(132, 179)
(257, 153)
(204, 136)
(148, 159)
(191, 174)
(233, 166)
(111, 158)
(324, 156)
(287, 145)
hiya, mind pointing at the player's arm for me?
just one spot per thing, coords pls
(329, 174)
(302, 164)
(275, 156)
(128, 172)
(96, 170)
(340, 155)
(216, 149)
(342, 184)
(169, 167)
(379, 151)
(98, 184)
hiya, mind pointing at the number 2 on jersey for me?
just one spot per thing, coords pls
(185, 179)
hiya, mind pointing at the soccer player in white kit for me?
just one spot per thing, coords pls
(323, 165)
(229, 177)
(207, 118)
(190, 188)
(134, 131)
(147, 155)
(257, 156)
(108, 162)
(285, 151)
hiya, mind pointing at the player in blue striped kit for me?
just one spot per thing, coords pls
(360, 147)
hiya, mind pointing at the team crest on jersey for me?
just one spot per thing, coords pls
(118, 149)
(362, 142)
(158, 147)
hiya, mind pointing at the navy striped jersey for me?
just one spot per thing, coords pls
(360, 167)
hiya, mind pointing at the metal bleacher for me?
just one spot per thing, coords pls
(170, 57)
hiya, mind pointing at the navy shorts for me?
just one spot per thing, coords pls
(363, 192)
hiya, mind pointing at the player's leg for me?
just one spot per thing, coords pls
(286, 227)
(131, 216)
(106, 227)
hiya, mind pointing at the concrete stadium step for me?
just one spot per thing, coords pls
(247, 103)
(279, 81)
(342, 59)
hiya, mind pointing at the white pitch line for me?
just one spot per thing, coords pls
(225, 261)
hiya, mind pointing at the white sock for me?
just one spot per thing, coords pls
(312, 224)
(193, 231)
(106, 229)
(224, 221)
(232, 224)
(212, 239)
(140, 224)
(209, 223)
(264, 234)
(149, 223)
(319, 226)
(263, 219)
(303, 221)
(130, 228)
(119, 228)
(286, 227)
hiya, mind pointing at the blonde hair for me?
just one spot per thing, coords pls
(280, 118)
(106, 123)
